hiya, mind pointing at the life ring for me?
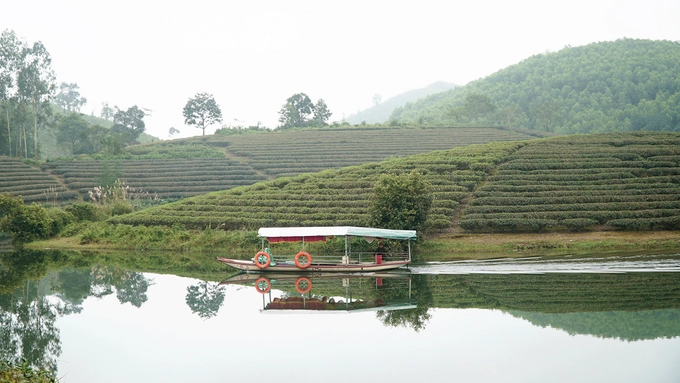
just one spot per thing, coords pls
(263, 285)
(303, 280)
(262, 259)
(300, 255)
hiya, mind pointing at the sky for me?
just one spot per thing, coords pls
(253, 55)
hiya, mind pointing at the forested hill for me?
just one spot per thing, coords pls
(625, 85)
(382, 110)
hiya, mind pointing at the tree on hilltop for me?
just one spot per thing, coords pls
(299, 107)
(202, 111)
(129, 123)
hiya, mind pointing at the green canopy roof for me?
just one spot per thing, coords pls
(334, 231)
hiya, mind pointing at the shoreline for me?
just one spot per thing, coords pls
(461, 246)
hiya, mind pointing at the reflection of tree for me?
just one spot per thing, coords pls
(414, 318)
(132, 289)
(205, 299)
(28, 327)
(31, 302)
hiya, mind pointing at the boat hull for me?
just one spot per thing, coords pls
(338, 268)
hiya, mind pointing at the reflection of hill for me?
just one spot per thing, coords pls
(558, 293)
(624, 325)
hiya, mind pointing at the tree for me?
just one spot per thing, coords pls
(129, 123)
(296, 110)
(478, 105)
(547, 114)
(36, 83)
(69, 97)
(321, 112)
(10, 53)
(107, 111)
(202, 111)
(72, 131)
(401, 202)
(510, 115)
(377, 99)
(172, 131)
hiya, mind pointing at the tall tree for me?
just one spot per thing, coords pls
(296, 110)
(69, 97)
(478, 105)
(321, 112)
(107, 111)
(202, 111)
(10, 55)
(547, 114)
(36, 83)
(129, 123)
(72, 131)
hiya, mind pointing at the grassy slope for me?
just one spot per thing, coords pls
(341, 197)
(256, 156)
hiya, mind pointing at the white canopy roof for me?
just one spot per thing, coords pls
(334, 231)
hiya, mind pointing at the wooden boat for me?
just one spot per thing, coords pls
(265, 260)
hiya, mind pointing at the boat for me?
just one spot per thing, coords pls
(308, 293)
(348, 262)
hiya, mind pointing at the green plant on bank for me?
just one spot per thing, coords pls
(24, 223)
(24, 373)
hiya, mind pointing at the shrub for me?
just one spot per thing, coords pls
(60, 219)
(84, 211)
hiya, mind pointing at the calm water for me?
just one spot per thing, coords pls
(593, 319)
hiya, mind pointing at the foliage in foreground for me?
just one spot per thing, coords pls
(24, 373)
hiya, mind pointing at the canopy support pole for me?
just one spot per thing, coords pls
(409, 250)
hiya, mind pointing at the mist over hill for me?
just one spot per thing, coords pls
(624, 85)
(381, 112)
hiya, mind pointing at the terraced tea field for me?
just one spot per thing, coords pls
(162, 178)
(625, 181)
(331, 197)
(31, 183)
(188, 167)
(620, 181)
(289, 153)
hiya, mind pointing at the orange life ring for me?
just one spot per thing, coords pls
(262, 263)
(263, 285)
(300, 255)
(300, 289)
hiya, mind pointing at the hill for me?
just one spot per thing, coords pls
(612, 181)
(625, 85)
(188, 167)
(50, 149)
(381, 112)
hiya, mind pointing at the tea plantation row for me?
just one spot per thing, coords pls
(332, 197)
(626, 181)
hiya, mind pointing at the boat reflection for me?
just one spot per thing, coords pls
(330, 292)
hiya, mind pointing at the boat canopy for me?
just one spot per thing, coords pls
(320, 233)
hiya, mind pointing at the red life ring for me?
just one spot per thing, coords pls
(262, 263)
(263, 285)
(300, 255)
(303, 290)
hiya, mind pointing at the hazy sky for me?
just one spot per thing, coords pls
(252, 55)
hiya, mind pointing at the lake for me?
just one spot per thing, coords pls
(559, 319)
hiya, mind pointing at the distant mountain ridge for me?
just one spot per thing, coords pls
(381, 113)
(622, 85)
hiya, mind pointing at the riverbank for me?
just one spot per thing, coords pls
(444, 247)
(481, 246)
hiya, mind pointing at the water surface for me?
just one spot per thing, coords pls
(532, 320)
